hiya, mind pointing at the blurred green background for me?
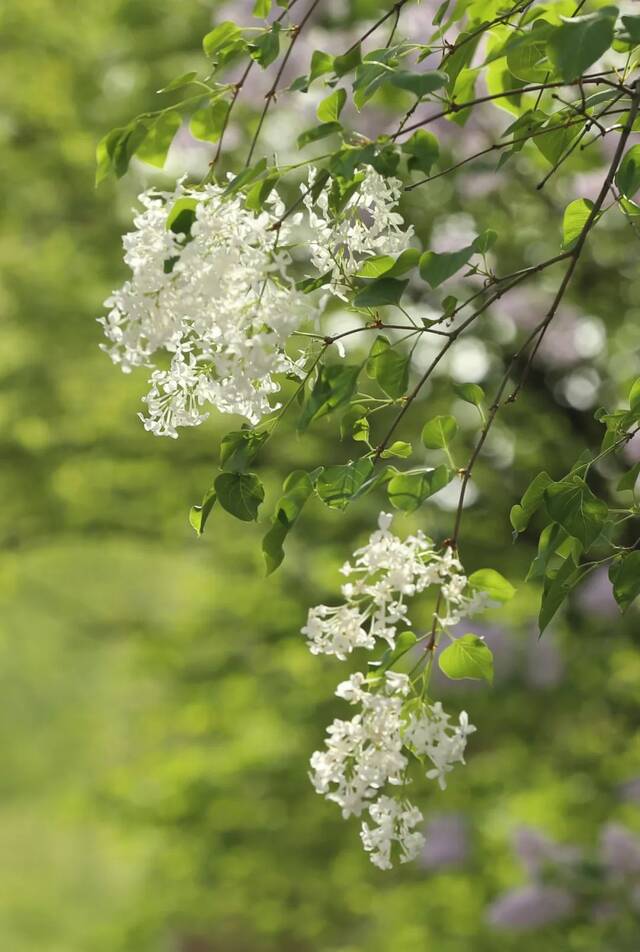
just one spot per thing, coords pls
(158, 704)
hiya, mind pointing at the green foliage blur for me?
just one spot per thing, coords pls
(158, 704)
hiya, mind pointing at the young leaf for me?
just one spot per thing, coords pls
(321, 63)
(438, 433)
(493, 584)
(239, 449)
(557, 585)
(576, 216)
(223, 42)
(380, 293)
(436, 268)
(330, 108)
(404, 643)
(630, 478)
(348, 61)
(296, 490)
(398, 449)
(423, 150)
(207, 123)
(574, 506)
(388, 367)
(470, 393)
(262, 9)
(155, 145)
(580, 41)
(266, 48)
(337, 485)
(625, 576)
(333, 388)
(628, 174)
(407, 491)
(241, 494)
(198, 515)
(420, 84)
(318, 132)
(530, 502)
(467, 657)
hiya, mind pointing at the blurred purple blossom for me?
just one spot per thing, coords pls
(620, 850)
(446, 842)
(596, 597)
(536, 851)
(530, 907)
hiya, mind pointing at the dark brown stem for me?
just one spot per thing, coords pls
(395, 10)
(539, 331)
(596, 79)
(270, 95)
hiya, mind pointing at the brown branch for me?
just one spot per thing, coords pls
(595, 79)
(270, 95)
(539, 331)
(236, 93)
(395, 10)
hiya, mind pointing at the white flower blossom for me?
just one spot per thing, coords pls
(368, 225)
(383, 574)
(429, 734)
(396, 821)
(210, 312)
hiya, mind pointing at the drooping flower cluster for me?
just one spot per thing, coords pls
(209, 307)
(370, 752)
(368, 225)
(364, 754)
(384, 573)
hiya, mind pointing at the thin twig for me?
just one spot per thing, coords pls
(394, 9)
(270, 95)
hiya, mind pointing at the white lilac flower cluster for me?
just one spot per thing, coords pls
(367, 226)
(383, 575)
(371, 750)
(210, 309)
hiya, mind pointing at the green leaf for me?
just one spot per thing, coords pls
(404, 643)
(198, 515)
(530, 502)
(182, 216)
(420, 84)
(321, 63)
(115, 150)
(185, 79)
(580, 41)
(207, 123)
(337, 485)
(239, 449)
(556, 138)
(223, 42)
(262, 9)
(630, 478)
(348, 61)
(259, 193)
(436, 268)
(576, 216)
(333, 388)
(423, 150)
(438, 433)
(398, 449)
(388, 367)
(628, 174)
(391, 267)
(407, 491)
(470, 393)
(634, 396)
(493, 584)
(318, 132)
(625, 576)
(380, 293)
(296, 490)
(265, 49)
(246, 177)
(557, 586)
(553, 540)
(241, 494)
(370, 75)
(330, 108)
(574, 506)
(155, 145)
(467, 657)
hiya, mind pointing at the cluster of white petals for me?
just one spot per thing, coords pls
(365, 753)
(209, 309)
(368, 225)
(396, 821)
(384, 573)
(368, 755)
